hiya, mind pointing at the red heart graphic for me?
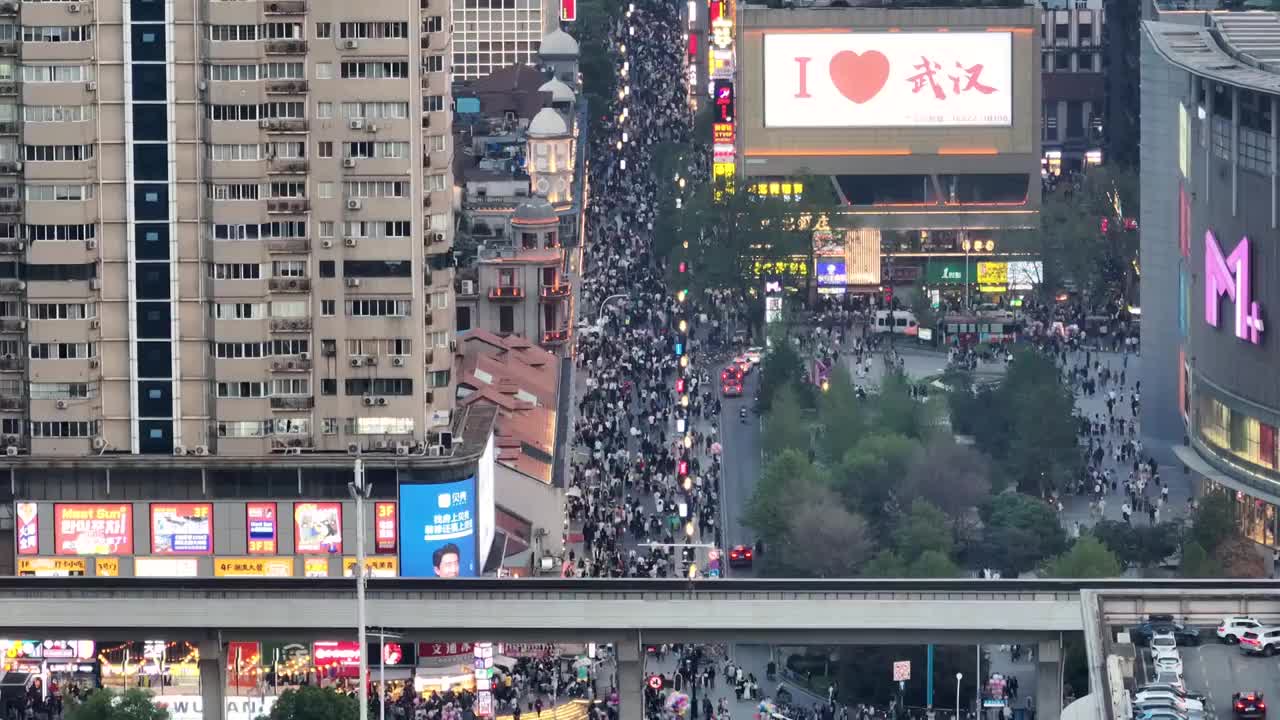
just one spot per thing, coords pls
(859, 77)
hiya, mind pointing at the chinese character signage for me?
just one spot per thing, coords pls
(28, 530)
(93, 529)
(1231, 276)
(52, 567)
(993, 274)
(181, 528)
(722, 133)
(438, 529)
(384, 527)
(106, 567)
(722, 96)
(317, 528)
(336, 658)
(260, 519)
(315, 567)
(438, 650)
(253, 567)
(831, 272)
(907, 79)
(374, 566)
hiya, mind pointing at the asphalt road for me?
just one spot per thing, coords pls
(741, 458)
(1218, 670)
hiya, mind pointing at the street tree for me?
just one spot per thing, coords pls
(932, 564)
(896, 411)
(775, 492)
(818, 520)
(954, 477)
(314, 703)
(1195, 561)
(1087, 558)
(785, 427)
(782, 366)
(842, 415)
(924, 529)
(870, 473)
(1019, 532)
(1213, 520)
(107, 704)
(1238, 557)
(1141, 546)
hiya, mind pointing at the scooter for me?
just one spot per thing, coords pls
(742, 415)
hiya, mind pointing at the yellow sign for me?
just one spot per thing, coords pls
(376, 566)
(993, 273)
(791, 266)
(316, 567)
(253, 567)
(722, 174)
(106, 567)
(52, 567)
(779, 189)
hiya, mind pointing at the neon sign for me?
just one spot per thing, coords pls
(1231, 276)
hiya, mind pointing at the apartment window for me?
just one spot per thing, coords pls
(231, 73)
(438, 378)
(283, 71)
(440, 300)
(61, 311)
(242, 389)
(324, 110)
(324, 190)
(284, 229)
(291, 387)
(1221, 132)
(376, 150)
(391, 69)
(288, 190)
(328, 386)
(237, 351)
(375, 110)
(378, 386)
(434, 143)
(57, 153)
(56, 73)
(432, 103)
(287, 150)
(62, 391)
(232, 113)
(62, 351)
(235, 271)
(282, 31)
(1086, 33)
(379, 307)
(235, 153)
(1062, 61)
(433, 63)
(438, 338)
(328, 268)
(234, 232)
(379, 426)
(1255, 151)
(432, 24)
(290, 309)
(377, 229)
(284, 110)
(324, 30)
(73, 233)
(233, 191)
(239, 311)
(399, 346)
(232, 33)
(506, 319)
(57, 33)
(326, 229)
(329, 426)
(434, 183)
(439, 222)
(56, 113)
(376, 189)
(373, 30)
(324, 71)
(328, 308)
(324, 149)
(376, 268)
(64, 428)
(58, 193)
(244, 428)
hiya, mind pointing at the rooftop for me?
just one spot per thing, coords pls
(556, 44)
(1240, 49)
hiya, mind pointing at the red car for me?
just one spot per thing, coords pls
(740, 556)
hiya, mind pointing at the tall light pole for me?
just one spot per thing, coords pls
(959, 677)
(606, 301)
(359, 491)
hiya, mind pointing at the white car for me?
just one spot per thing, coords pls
(1168, 663)
(754, 354)
(1156, 696)
(1172, 679)
(1163, 644)
(1233, 626)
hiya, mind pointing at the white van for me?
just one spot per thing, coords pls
(903, 322)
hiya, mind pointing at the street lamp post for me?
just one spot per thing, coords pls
(959, 677)
(606, 301)
(359, 491)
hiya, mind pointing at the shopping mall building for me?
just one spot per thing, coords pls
(1210, 261)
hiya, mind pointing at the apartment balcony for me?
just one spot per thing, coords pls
(10, 286)
(293, 403)
(9, 48)
(290, 325)
(9, 128)
(292, 206)
(506, 293)
(294, 443)
(8, 8)
(292, 166)
(289, 284)
(553, 338)
(559, 291)
(292, 365)
(285, 7)
(464, 288)
(12, 325)
(286, 47)
(286, 87)
(8, 88)
(10, 167)
(291, 246)
(13, 404)
(289, 125)
(12, 363)
(12, 247)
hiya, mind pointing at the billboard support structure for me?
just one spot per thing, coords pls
(359, 491)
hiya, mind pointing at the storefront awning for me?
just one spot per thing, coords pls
(1188, 456)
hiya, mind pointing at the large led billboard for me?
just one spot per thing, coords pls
(438, 529)
(181, 528)
(93, 528)
(883, 79)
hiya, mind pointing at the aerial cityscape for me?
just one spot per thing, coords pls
(702, 360)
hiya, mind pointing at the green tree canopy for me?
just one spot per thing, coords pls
(1139, 545)
(818, 520)
(1087, 558)
(1195, 561)
(871, 472)
(1019, 533)
(841, 414)
(924, 529)
(785, 427)
(932, 564)
(954, 477)
(106, 704)
(1213, 520)
(781, 367)
(781, 483)
(314, 703)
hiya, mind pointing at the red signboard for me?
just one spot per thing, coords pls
(181, 528)
(568, 10)
(317, 528)
(444, 649)
(260, 519)
(93, 528)
(336, 658)
(28, 529)
(384, 527)
(243, 659)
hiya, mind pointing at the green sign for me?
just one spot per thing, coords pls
(950, 271)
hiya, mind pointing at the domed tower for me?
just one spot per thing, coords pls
(559, 52)
(550, 153)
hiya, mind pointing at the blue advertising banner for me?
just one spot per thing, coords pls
(438, 529)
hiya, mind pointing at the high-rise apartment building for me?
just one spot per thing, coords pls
(492, 34)
(225, 227)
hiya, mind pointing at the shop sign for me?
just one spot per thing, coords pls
(722, 32)
(384, 526)
(720, 63)
(831, 272)
(106, 567)
(394, 654)
(723, 153)
(723, 96)
(568, 10)
(181, 528)
(722, 133)
(317, 528)
(165, 567)
(795, 266)
(435, 650)
(93, 529)
(438, 527)
(335, 653)
(47, 649)
(28, 530)
(1231, 276)
(375, 566)
(243, 658)
(260, 517)
(52, 567)
(190, 707)
(82, 668)
(315, 567)
(993, 274)
(253, 567)
(951, 272)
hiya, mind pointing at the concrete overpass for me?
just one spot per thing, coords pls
(627, 613)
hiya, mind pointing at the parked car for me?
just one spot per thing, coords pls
(1172, 689)
(1261, 641)
(1233, 626)
(1156, 696)
(1163, 644)
(1168, 663)
(1142, 633)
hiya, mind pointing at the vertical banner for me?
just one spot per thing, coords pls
(243, 660)
(568, 10)
(317, 528)
(482, 670)
(384, 527)
(260, 519)
(28, 528)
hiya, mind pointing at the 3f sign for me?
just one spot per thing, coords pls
(1230, 276)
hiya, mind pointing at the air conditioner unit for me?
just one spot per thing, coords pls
(326, 243)
(368, 401)
(276, 365)
(397, 362)
(11, 451)
(380, 445)
(435, 451)
(353, 204)
(22, 324)
(73, 9)
(179, 450)
(99, 443)
(382, 401)
(202, 450)
(94, 325)
(468, 287)
(402, 450)
(293, 365)
(91, 86)
(91, 244)
(371, 127)
(356, 362)
(436, 237)
(353, 282)
(13, 440)
(355, 123)
(61, 404)
(348, 162)
(95, 284)
(351, 242)
(350, 44)
(371, 361)
(93, 363)
(353, 449)
(304, 356)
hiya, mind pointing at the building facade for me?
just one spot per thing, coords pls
(1071, 62)
(493, 34)
(1210, 209)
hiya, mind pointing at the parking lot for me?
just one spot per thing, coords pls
(1218, 670)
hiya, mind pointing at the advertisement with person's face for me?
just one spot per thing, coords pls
(438, 529)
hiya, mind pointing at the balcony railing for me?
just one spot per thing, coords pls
(293, 205)
(12, 362)
(506, 292)
(289, 284)
(283, 124)
(297, 364)
(12, 247)
(293, 403)
(286, 47)
(286, 87)
(12, 324)
(8, 88)
(554, 292)
(12, 403)
(12, 286)
(292, 165)
(291, 325)
(555, 337)
(289, 245)
(286, 7)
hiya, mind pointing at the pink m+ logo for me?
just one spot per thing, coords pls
(1230, 276)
